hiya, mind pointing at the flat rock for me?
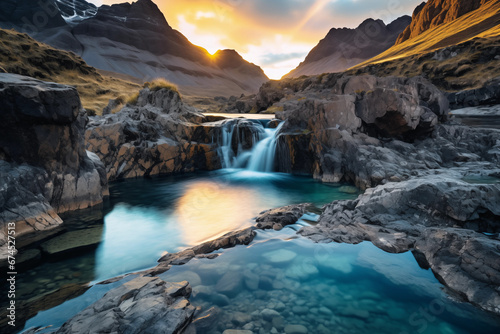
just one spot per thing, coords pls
(230, 284)
(74, 241)
(142, 304)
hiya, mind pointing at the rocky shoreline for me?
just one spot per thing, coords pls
(431, 185)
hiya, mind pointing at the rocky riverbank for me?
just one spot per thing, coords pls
(432, 186)
(44, 167)
(157, 135)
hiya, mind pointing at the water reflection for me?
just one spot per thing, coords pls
(208, 210)
(150, 217)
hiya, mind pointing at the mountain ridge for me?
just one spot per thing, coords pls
(135, 39)
(433, 13)
(343, 48)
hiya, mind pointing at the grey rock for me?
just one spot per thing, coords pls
(159, 135)
(237, 331)
(268, 314)
(230, 283)
(207, 319)
(142, 305)
(43, 163)
(288, 215)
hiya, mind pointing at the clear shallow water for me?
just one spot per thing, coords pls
(146, 217)
(281, 279)
(152, 216)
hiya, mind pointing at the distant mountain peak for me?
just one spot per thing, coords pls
(135, 39)
(343, 47)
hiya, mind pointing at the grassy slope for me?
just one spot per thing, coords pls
(475, 38)
(21, 54)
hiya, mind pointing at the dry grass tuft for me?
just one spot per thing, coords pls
(161, 83)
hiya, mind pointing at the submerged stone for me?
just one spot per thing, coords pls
(74, 241)
(230, 284)
(295, 329)
(268, 314)
(280, 256)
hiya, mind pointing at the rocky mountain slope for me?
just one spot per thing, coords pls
(433, 13)
(456, 55)
(136, 40)
(21, 54)
(343, 48)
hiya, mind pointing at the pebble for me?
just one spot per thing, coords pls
(324, 310)
(280, 256)
(268, 314)
(295, 329)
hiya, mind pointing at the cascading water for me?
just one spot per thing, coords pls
(248, 145)
(262, 155)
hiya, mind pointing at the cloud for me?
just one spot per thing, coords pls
(272, 59)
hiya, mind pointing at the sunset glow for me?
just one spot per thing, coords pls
(276, 35)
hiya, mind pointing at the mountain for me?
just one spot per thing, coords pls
(343, 48)
(21, 54)
(134, 39)
(436, 12)
(460, 54)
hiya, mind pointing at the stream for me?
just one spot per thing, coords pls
(280, 283)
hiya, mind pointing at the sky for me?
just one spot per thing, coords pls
(274, 34)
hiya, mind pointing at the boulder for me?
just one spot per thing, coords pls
(159, 136)
(281, 217)
(142, 304)
(295, 329)
(442, 217)
(43, 162)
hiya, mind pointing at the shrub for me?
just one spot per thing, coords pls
(160, 83)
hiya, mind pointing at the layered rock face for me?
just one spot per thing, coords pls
(330, 118)
(440, 218)
(158, 135)
(44, 164)
(436, 12)
(142, 305)
(344, 48)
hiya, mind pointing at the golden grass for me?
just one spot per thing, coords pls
(132, 99)
(481, 23)
(471, 38)
(160, 83)
(20, 54)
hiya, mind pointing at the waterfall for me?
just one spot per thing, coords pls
(262, 156)
(248, 145)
